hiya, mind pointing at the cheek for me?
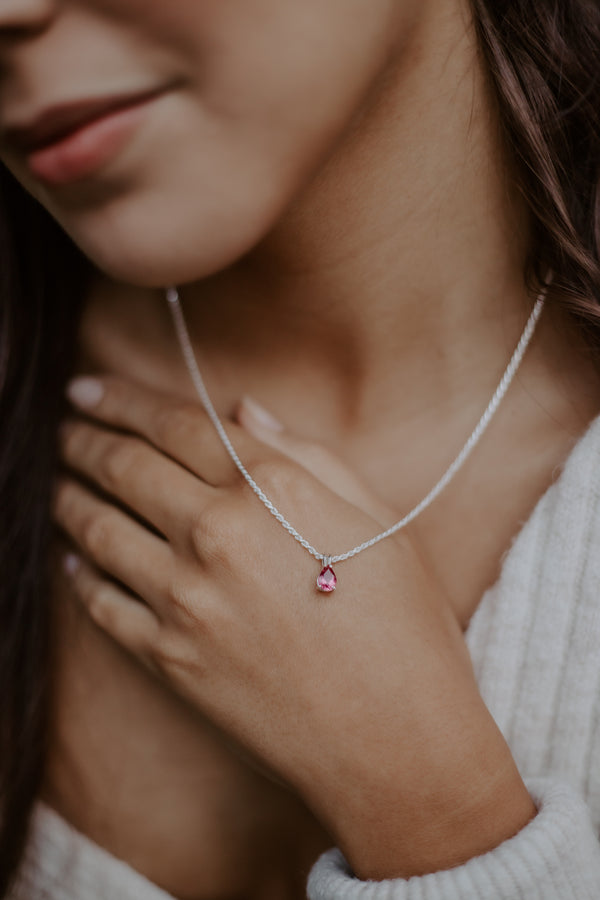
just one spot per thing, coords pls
(267, 87)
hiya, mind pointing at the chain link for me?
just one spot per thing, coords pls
(192, 365)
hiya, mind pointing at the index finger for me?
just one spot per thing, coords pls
(179, 428)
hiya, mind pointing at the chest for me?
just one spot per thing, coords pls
(131, 764)
(466, 532)
(154, 783)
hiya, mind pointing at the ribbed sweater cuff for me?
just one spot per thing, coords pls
(556, 856)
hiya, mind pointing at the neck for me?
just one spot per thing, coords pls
(391, 294)
(401, 262)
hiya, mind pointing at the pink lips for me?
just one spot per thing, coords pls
(80, 140)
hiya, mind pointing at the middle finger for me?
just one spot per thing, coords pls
(152, 485)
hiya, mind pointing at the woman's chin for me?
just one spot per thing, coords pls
(154, 261)
(148, 249)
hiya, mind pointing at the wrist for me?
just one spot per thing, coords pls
(391, 825)
(406, 842)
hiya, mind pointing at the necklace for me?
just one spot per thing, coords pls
(327, 580)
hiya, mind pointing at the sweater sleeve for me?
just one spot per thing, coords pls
(556, 856)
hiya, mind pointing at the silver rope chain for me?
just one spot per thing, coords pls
(192, 365)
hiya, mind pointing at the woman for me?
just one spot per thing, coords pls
(360, 204)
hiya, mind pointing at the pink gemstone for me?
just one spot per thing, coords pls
(327, 581)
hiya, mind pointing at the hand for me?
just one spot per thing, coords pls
(363, 701)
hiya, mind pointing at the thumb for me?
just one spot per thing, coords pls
(263, 425)
(259, 422)
(318, 460)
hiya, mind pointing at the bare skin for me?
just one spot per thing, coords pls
(171, 771)
(419, 294)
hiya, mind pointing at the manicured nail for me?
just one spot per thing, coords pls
(261, 416)
(85, 391)
(71, 563)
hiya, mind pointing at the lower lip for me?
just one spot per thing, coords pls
(85, 151)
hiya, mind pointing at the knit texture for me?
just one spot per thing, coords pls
(62, 864)
(535, 644)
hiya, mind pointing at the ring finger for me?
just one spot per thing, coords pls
(116, 543)
(155, 487)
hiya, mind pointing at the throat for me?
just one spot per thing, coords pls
(399, 442)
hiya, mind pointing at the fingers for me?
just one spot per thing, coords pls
(155, 487)
(116, 543)
(181, 429)
(317, 459)
(126, 620)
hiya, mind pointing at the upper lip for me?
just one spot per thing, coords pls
(60, 119)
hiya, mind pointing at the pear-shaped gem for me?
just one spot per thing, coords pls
(327, 581)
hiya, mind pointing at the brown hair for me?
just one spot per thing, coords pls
(41, 282)
(543, 62)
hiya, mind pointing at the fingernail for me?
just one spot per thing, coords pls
(85, 391)
(71, 563)
(261, 416)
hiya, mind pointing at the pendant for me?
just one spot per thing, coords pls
(327, 580)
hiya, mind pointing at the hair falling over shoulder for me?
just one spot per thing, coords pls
(42, 278)
(543, 61)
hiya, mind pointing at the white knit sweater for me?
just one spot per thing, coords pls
(535, 644)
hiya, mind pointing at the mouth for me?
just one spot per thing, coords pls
(67, 142)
